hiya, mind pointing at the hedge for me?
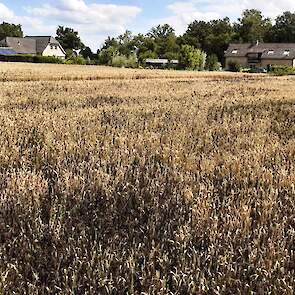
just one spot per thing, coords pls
(30, 58)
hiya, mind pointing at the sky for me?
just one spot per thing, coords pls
(95, 20)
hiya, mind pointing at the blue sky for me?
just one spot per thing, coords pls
(97, 19)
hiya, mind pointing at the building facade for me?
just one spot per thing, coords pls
(35, 45)
(260, 55)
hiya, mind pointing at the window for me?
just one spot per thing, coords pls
(287, 52)
(55, 47)
(270, 52)
(51, 47)
(235, 51)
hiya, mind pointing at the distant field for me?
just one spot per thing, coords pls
(117, 181)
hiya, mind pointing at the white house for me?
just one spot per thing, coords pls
(35, 45)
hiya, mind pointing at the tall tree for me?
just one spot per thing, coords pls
(110, 42)
(218, 40)
(284, 28)
(212, 37)
(161, 32)
(145, 47)
(252, 26)
(165, 40)
(87, 53)
(10, 30)
(126, 44)
(68, 38)
(197, 33)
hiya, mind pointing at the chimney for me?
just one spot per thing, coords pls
(257, 42)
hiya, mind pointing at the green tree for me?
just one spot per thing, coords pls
(252, 26)
(212, 37)
(161, 32)
(110, 42)
(191, 58)
(126, 44)
(196, 34)
(219, 38)
(10, 30)
(87, 53)
(68, 38)
(106, 55)
(145, 47)
(284, 28)
(165, 40)
(212, 63)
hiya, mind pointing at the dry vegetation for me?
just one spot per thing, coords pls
(145, 182)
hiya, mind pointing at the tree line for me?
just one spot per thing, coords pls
(202, 45)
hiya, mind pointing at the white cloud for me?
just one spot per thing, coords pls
(74, 5)
(93, 21)
(34, 24)
(90, 20)
(5, 12)
(183, 13)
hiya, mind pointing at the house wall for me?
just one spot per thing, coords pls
(243, 61)
(3, 43)
(53, 52)
(277, 62)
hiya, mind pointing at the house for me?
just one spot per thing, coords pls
(260, 55)
(34, 45)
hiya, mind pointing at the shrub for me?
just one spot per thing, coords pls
(106, 56)
(282, 71)
(132, 62)
(76, 60)
(47, 59)
(121, 61)
(212, 63)
(17, 58)
(234, 66)
(143, 56)
(31, 59)
(191, 58)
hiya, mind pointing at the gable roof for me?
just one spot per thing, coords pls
(20, 45)
(43, 41)
(30, 44)
(267, 50)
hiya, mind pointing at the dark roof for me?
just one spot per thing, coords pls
(43, 41)
(241, 50)
(267, 50)
(30, 44)
(6, 51)
(20, 45)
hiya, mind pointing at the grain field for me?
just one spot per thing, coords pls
(116, 181)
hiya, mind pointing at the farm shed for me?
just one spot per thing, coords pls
(161, 63)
